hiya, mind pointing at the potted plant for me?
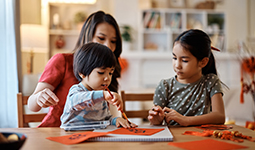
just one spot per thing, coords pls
(126, 36)
(79, 19)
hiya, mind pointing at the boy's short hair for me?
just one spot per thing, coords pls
(90, 56)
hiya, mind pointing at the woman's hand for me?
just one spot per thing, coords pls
(115, 100)
(156, 115)
(124, 123)
(42, 97)
(46, 98)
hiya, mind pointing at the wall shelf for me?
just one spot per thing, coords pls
(64, 32)
(160, 27)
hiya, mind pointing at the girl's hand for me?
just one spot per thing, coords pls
(46, 98)
(156, 115)
(171, 114)
(124, 123)
(116, 100)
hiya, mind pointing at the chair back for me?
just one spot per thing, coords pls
(23, 118)
(139, 97)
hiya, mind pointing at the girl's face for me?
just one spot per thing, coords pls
(186, 66)
(98, 78)
(105, 34)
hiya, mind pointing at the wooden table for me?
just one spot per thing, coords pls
(36, 140)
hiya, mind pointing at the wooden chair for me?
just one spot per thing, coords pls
(24, 119)
(139, 97)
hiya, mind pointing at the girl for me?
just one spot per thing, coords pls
(94, 65)
(194, 95)
(58, 77)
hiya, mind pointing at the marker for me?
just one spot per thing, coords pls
(123, 114)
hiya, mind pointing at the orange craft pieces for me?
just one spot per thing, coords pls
(248, 66)
(224, 135)
(206, 144)
(205, 133)
(76, 137)
(136, 131)
(214, 127)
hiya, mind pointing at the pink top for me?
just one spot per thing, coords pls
(59, 73)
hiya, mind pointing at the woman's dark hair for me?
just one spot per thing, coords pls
(90, 56)
(199, 45)
(87, 33)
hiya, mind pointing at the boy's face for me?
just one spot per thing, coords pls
(98, 78)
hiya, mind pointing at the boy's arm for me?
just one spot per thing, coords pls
(79, 99)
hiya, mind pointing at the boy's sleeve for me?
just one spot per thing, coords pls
(78, 100)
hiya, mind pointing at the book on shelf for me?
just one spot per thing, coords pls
(154, 21)
(151, 20)
(175, 21)
(146, 19)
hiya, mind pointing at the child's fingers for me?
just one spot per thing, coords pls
(133, 125)
(167, 110)
(117, 124)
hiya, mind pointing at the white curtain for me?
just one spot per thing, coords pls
(8, 64)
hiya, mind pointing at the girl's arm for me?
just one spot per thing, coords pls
(42, 97)
(217, 116)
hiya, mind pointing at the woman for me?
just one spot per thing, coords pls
(58, 76)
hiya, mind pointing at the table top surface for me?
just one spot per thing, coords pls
(36, 139)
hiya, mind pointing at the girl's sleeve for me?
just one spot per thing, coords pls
(215, 85)
(160, 95)
(78, 100)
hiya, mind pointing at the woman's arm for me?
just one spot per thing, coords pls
(42, 97)
(217, 116)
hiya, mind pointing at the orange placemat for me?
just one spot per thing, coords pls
(136, 131)
(208, 144)
(76, 137)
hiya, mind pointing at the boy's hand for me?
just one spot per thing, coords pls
(124, 123)
(156, 115)
(115, 100)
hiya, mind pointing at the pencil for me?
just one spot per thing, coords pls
(123, 114)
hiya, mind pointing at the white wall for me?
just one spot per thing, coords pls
(237, 22)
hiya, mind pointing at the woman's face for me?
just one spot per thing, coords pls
(105, 34)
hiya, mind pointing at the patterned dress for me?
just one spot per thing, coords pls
(191, 99)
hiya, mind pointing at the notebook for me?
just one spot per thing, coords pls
(164, 135)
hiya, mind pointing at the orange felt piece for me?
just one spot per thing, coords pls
(214, 127)
(208, 144)
(76, 137)
(204, 133)
(136, 131)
